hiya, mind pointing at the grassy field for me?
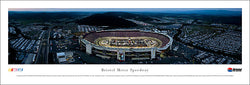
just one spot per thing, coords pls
(100, 41)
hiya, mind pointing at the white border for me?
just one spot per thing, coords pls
(239, 77)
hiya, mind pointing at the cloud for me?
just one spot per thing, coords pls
(117, 9)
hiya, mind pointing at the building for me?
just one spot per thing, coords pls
(65, 57)
(126, 45)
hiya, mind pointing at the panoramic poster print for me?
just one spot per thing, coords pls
(125, 36)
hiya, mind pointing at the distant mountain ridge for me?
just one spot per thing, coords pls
(209, 12)
(111, 19)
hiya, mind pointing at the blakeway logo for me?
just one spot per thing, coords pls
(234, 69)
(15, 69)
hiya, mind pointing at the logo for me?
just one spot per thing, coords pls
(234, 69)
(15, 69)
(230, 69)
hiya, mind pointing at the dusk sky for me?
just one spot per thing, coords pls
(117, 9)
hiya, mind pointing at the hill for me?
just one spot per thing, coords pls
(111, 19)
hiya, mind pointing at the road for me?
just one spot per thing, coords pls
(42, 57)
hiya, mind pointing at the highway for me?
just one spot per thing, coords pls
(42, 57)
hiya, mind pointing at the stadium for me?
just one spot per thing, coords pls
(126, 45)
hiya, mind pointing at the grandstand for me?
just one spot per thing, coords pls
(126, 44)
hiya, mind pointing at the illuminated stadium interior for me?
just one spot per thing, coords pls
(126, 44)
